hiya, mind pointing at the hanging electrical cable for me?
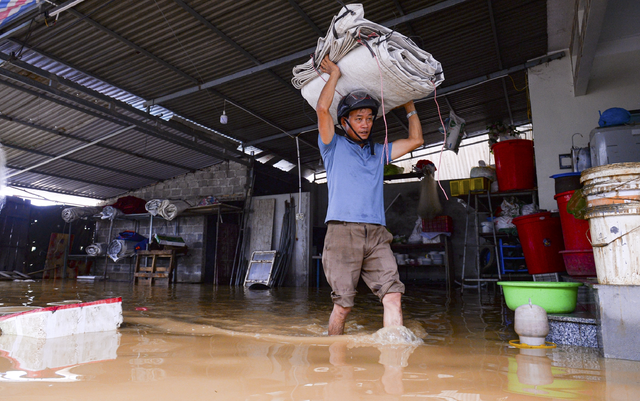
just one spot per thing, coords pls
(444, 142)
(186, 54)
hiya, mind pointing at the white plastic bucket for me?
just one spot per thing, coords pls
(613, 197)
(615, 237)
(611, 178)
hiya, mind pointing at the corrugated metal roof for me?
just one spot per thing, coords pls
(134, 51)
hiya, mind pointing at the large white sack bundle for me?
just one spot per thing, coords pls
(167, 209)
(406, 71)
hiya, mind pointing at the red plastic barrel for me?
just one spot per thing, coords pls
(515, 165)
(541, 240)
(574, 231)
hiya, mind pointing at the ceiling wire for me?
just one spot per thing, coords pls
(233, 103)
(184, 51)
(202, 80)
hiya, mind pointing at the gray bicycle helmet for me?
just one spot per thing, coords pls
(357, 100)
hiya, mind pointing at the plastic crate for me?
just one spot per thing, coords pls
(459, 187)
(463, 187)
(478, 184)
(438, 225)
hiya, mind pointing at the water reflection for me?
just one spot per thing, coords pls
(561, 374)
(52, 359)
(197, 342)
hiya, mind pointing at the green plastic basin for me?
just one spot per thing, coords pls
(552, 296)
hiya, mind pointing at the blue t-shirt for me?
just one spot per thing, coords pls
(354, 179)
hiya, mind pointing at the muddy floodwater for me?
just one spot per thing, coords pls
(195, 342)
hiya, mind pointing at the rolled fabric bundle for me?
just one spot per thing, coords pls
(110, 212)
(153, 205)
(74, 213)
(119, 248)
(97, 249)
(114, 249)
(170, 211)
(352, 42)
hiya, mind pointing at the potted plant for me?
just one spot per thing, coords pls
(498, 131)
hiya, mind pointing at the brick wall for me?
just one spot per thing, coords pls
(225, 180)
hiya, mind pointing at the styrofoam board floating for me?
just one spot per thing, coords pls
(64, 320)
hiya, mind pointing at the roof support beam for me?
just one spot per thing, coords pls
(282, 135)
(194, 146)
(401, 11)
(69, 159)
(71, 106)
(449, 89)
(304, 53)
(305, 17)
(496, 43)
(10, 32)
(157, 120)
(133, 45)
(231, 42)
(100, 145)
(232, 77)
(217, 31)
(66, 177)
(118, 118)
(153, 57)
(587, 25)
(122, 105)
(111, 135)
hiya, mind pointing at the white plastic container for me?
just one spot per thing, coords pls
(613, 197)
(611, 184)
(486, 227)
(615, 235)
(611, 177)
(531, 324)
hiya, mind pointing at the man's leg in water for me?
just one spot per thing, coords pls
(392, 303)
(337, 320)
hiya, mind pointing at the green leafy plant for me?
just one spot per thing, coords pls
(499, 129)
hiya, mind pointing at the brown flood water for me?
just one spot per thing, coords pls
(195, 342)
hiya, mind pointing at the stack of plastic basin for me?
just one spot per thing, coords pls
(578, 254)
(541, 239)
(613, 209)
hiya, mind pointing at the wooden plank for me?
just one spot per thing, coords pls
(262, 217)
(55, 254)
(212, 209)
(152, 275)
(156, 252)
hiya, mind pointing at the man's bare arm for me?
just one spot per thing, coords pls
(325, 121)
(414, 140)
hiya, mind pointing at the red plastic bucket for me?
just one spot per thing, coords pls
(541, 239)
(579, 262)
(515, 165)
(574, 231)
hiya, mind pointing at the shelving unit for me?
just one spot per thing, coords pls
(480, 203)
(414, 249)
(507, 257)
(137, 218)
